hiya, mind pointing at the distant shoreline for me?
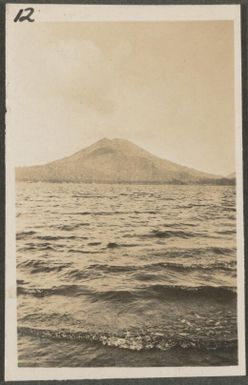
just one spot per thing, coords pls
(221, 182)
(118, 161)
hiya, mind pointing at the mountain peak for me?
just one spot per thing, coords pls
(118, 145)
(114, 161)
(103, 141)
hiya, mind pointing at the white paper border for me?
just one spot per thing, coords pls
(73, 13)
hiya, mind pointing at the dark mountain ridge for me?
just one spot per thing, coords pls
(116, 161)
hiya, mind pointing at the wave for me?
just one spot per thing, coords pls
(42, 266)
(152, 267)
(57, 237)
(179, 225)
(89, 196)
(79, 251)
(171, 234)
(135, 342)
(65, 290)
(171, 292)
(182, 267)
(78, 275)
(96, 213)
(229, 208)
(226, 232)
(163, 292)
(193, 252)
(221, 250)
(207, 292)
(24, 234)
(71, 227)
(113, 245)
(41, 246)
(114, 212)
(145, 212)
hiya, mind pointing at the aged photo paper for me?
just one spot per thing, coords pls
(124, 197)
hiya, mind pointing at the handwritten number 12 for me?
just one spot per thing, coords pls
(21, 16)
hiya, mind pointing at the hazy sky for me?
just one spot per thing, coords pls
(167, 86)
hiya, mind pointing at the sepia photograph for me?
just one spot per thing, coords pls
(124, 191)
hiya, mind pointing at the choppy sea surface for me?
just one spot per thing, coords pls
(126, 275)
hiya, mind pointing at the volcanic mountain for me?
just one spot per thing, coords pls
(115, 161)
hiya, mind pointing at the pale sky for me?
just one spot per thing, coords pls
(166, 86)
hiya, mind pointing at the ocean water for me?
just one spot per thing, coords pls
(126, 275)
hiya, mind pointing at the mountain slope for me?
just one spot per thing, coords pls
(115, 161)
